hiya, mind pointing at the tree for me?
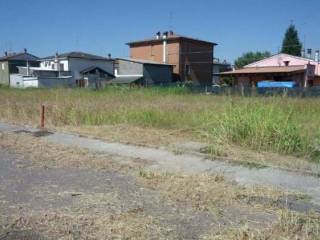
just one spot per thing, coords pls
(291, 43)
(250, 57)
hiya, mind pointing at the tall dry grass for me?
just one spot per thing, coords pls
(278, 124)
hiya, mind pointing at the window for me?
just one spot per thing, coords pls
(188, 70)
(52, 66)
(61, 67)
(3, 66)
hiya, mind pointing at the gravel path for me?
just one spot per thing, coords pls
(27, 190)
(164, 160)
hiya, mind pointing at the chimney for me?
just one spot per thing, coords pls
(56, 58)
(57, 65)
(25, 50)
(286, 63)
(109, 55)
(6, 53)
(316, 56)
(28, 69)
(309, 53)
(171, 33)
(158, 34)
(164, 37)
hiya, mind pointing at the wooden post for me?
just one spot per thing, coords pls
(42, 112)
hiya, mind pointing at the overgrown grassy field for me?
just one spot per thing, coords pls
(276, 124)
(273, 125)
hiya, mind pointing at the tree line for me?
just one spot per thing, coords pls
(290, 45)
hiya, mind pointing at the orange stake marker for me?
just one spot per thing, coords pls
(42, 116)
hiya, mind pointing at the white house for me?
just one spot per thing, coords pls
(66, 70)
(77, 63)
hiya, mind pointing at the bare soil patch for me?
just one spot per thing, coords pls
(51, 191)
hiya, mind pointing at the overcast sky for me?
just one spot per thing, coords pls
(102, 27)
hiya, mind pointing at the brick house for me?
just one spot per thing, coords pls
(191, 58)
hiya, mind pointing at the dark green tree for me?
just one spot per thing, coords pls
(250, 57)
(291, 43)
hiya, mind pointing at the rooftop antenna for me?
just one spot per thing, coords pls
(8, 46)
(171, 20)
(77, 37)
(279, 59)
(304, 38)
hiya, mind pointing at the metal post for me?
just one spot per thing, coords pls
(42, 116)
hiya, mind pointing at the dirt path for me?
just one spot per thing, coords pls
(104, 195)
(60, 201)
(164, 160)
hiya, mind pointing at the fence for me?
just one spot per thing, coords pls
(290, 92)
(248, 91)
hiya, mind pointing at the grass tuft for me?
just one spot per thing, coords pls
(261, 127)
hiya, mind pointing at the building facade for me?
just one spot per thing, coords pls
(218, 67)
(280, 68)
(76, 62)
(283, 60)
(142, 72)
(66, 70)
(94, 77)
(191, 58)
(9, 64)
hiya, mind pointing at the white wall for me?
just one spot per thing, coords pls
(30, 83)
(48, 64)
(65, 65)
(16, 81)
(19, 81)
